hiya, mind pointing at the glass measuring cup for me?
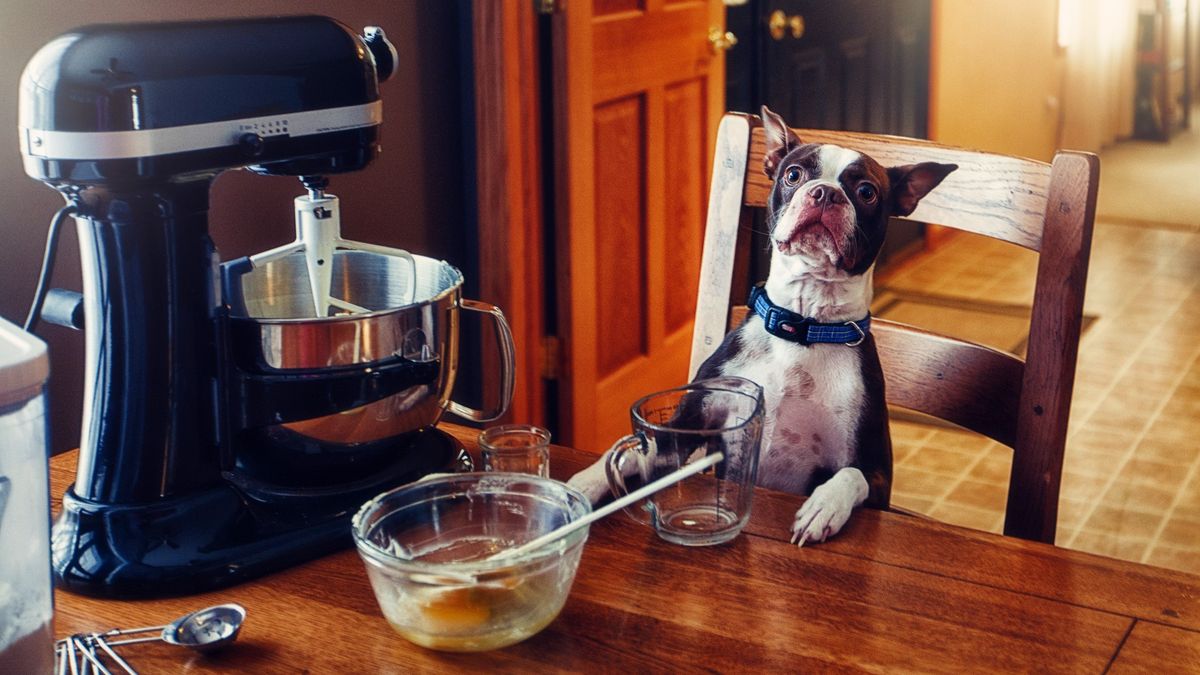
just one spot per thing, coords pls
(675, 427)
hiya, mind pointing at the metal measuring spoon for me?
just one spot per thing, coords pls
(90, 662)
(203, 630)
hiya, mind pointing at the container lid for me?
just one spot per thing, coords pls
(24, 364)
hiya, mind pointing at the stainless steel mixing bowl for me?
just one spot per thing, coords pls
(410, 314)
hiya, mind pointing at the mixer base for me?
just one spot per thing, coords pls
(223, 535)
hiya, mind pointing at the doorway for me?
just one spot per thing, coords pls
(595, 128)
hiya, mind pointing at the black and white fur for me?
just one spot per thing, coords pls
(826, 427)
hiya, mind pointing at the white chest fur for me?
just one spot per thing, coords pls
(814, 398)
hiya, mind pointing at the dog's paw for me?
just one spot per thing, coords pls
(829, 507)
(592, 482)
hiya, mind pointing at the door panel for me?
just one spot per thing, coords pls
(801, 88)
(637, 95)
(910, 72)
(686, 194)
(911, 59)
(602, 7)
(856, 83)
(620, 233)
(635, 52)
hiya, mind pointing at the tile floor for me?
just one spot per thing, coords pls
(1131, 483)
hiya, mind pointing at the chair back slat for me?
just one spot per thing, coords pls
(965, 384)
(968, 385)
(994, 195)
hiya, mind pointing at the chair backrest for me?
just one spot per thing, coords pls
(1049, 208)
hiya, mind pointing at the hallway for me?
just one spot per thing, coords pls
(1131, 482)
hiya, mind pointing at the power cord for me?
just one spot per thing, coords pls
(39, 296)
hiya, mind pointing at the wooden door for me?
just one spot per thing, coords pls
(638, 91)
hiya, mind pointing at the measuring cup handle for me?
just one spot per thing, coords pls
(631, 448)
(507, 365)
(4, 483)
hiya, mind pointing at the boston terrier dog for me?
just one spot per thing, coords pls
(807, 340)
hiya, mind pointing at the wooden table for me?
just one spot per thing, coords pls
(890, 593)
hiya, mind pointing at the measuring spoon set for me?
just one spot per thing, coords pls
(204, 630)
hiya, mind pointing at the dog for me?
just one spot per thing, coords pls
(807, 340)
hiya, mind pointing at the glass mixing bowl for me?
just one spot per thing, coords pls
(427, 546)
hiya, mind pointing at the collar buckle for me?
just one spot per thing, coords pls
(862, 335)
(795, 330)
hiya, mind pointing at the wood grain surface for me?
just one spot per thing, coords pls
(970, 385)
(508, 175)
(889, 593)
(1054, 329)
(1154, 648)
(720, 236)
(995, 195)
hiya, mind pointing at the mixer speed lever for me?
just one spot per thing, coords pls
(63, 308)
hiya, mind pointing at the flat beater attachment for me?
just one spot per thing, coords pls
(318, 238)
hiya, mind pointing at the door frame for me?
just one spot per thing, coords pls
(508, 174)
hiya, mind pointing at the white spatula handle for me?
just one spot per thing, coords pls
(640, 493)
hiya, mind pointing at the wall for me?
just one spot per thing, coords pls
(995, 76)
(1099, 81)
(411, 197)
(1194, 39)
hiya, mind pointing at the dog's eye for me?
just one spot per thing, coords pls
(867, 193)
(792, 175)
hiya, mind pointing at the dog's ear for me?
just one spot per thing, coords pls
(911, 182)
(780, 140)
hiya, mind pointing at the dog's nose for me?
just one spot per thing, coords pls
(820, 195)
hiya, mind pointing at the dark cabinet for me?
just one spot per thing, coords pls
(855, 65)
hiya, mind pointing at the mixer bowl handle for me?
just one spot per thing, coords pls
(507, 365)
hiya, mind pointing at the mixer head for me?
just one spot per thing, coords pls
(145, 103)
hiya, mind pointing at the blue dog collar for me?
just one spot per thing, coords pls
(793, 327)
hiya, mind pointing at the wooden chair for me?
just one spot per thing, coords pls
(1048, 208)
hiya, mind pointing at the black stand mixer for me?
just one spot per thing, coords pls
(235, 415)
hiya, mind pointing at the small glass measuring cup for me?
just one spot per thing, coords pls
(518, 448)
